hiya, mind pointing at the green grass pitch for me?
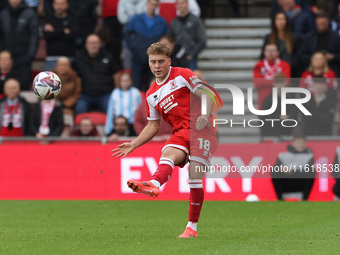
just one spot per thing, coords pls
(151, 227)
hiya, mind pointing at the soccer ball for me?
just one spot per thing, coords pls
(46, 85)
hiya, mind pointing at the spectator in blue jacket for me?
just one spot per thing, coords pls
(19, 35)
(143, 30)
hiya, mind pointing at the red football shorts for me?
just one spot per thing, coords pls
(199, 146)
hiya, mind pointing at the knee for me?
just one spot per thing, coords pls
(196, 171)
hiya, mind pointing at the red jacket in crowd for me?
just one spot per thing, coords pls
(263, 75)
(306, 80)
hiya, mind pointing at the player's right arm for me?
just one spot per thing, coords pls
(150, 130)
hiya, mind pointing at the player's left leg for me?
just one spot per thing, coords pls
(196, 173)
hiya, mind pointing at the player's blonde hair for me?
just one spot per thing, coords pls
(158, 49)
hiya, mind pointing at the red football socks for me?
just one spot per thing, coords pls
(164, 170)
(195, 199)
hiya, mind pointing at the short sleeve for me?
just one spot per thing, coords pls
(152, 113)
(193, 81)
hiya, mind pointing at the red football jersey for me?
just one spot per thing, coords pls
(174, 99)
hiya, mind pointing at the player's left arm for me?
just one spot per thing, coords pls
(203, 120)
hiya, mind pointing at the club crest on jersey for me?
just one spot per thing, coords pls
(173, 85)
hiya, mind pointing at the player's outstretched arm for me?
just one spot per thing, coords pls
(202, 121)
(146, 135)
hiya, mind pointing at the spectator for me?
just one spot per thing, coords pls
(14, 111)
(60, 33)
(109, 12)
(178, 58)
(143, 30)
(124, 101)
(301, 21)
(189, 33)
(47, 119)
(282, 35)
(167, 9)
(86, 128)
(322, 108)
(336, 173)
(71, 84)
(265, 70)
(322, 40)
(96, 69)
(6, 70)
(296, 165)
(318, 67)
(121, 128)
(85, 14)
(19, 35)
(126, 10)
(275, 128)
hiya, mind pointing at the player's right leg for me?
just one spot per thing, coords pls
(170, 157)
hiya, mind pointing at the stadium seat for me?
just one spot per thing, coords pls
(98, 119)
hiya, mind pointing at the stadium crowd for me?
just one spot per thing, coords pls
(100, 58)
(102, 63)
